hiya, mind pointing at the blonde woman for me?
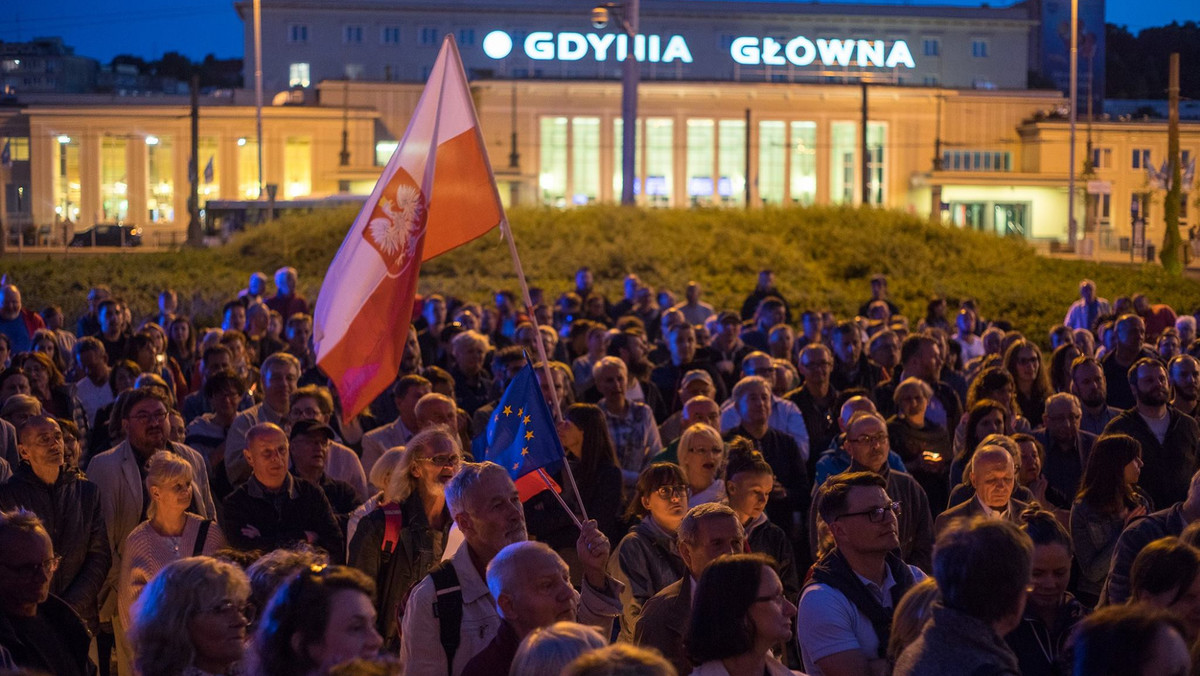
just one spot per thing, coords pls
(381, 473)
(415, 499)
(169, 534)
(702, 457)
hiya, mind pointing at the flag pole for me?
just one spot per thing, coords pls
(506, 233)
(550, 485)
(548, 372)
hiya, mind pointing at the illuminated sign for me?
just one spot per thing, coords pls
(567, 46)
(800, 51)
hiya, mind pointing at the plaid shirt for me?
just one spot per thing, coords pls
(634, 435)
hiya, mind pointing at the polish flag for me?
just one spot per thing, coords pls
(436, 193)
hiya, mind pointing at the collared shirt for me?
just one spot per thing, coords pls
(634, 435)
(785, 417)
(278, 497)
(989, 512)
(881, 592)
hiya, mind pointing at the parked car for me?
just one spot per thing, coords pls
(109, 234)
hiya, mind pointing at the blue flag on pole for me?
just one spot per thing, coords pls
(520, 436)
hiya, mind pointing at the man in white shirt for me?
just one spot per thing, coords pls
(92, 390)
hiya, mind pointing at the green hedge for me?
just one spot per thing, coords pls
(822, 257)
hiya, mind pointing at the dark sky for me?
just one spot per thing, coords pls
(147, 28)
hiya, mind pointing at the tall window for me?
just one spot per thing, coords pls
(772, 160)
(389, 35)
(352, 34)
(298, 75)
(932, 46)
(700, 149)
(297, 167)
(585, 160)
(160, 152)
(552, 179)
(114, 179)
(247, 167)
(876, 142)
(842, 165)
(66, 179)
(1141, 158)
(804, 162)
(979, 48)
(619, 154)
(660, 161)
(466, 37)
(430, 36)
(210, 180)
(297, 32)
(731, 161)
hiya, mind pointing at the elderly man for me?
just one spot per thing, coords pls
(983, 569)
(1084, 312)
(844, 615)
(785, 416)
(706, 532)
(451, 614)
(17, 322)
(39, 632)
(309, 446)
(69, 507)
(816, 399)
(313, 402)
(1166, 522)
(1184, 371)
(1170, 440)
(698, 409)
(287, 301)
(1067, 446)
(835, 459)
(280, 378)
(123, 501)
(993, 475)
(867, 444)
(1090, 386)
(472, 382)
(406, 392)
(275, 509)
(921, 357)
(790, 496)
(630, 423)
(1129, 348)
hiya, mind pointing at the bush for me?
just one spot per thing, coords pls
(822, 257)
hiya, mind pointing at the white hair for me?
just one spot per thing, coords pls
(468, 476)
(547, 651)
(509, 565)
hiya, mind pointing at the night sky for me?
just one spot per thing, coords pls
(104, 28)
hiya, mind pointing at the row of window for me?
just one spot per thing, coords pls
(353, 34)
(1102, 158)
(976, 160)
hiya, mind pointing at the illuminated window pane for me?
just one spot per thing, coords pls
(619, 154)
(247, 159)
(209, 168)
(772, 156)
(552, 179)
(298, 75)
(161, 162)
(701, 144)
(585, 159)
(876, 141)
(66, 179)
(114, 180)
(660, 160)
(731, 161)
(842, 164)
(804, 162)
(297, 167)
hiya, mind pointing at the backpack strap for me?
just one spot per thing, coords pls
(201, 537)
(448, 608)
(393, 520)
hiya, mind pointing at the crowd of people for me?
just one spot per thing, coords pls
(770, 490)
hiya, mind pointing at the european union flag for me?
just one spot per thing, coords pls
(520, 436)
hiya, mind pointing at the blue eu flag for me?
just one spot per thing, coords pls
(520, 436)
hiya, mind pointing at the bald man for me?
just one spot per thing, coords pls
(993, 475)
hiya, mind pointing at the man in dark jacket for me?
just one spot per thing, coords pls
(708, 531)
(69, 508)
(273, 508)
(1170, 440)
(38, 631)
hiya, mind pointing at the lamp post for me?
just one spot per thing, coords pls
(627, 16)
(1071, 228)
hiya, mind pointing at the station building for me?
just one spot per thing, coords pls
(740, 104)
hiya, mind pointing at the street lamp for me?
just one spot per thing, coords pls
(1074, 93)
(626, 16)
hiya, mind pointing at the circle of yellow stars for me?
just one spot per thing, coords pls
(524, 420)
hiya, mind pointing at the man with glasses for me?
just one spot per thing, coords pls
(1067, 446)
(38, 631)
(275, 509)
(845, 613)
(783, 416)
(868, 446)
(993, 475)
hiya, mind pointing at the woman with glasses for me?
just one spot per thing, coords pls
(740, 615)
(647, 559)
(192, 620)
(414, 511)
(702, 458)
(1023, 361)
(318, 619)
(170, 532)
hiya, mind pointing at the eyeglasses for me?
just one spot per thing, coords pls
(870, 439)
(444, 460)
(228, 607)
(777, 597)
(715, 450)
(30, 570)
(671, 492)
(877, 514)
(146, 418)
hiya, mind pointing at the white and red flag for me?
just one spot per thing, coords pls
(436, 193)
